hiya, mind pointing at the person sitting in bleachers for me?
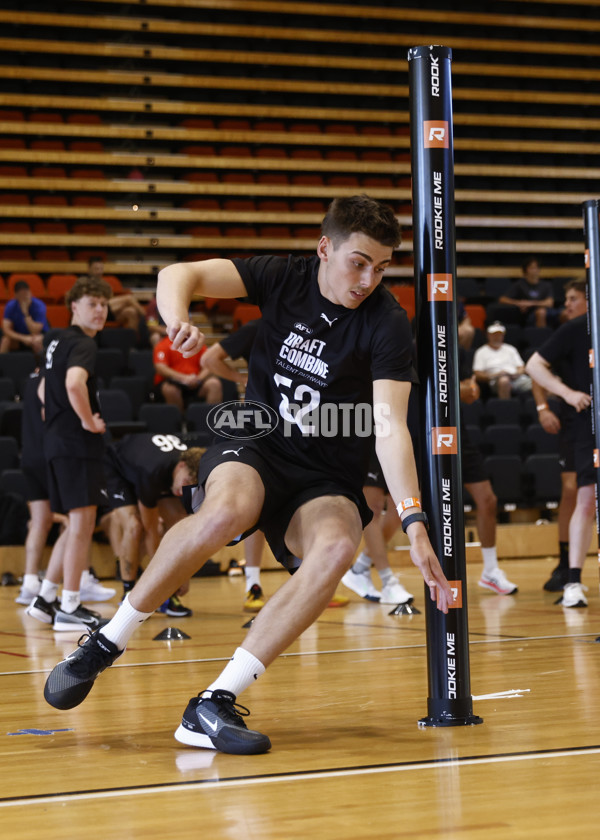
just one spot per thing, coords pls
(24, 322)
(533, 297)
(499, 366)
(179, 380)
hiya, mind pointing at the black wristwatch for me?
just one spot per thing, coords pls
(421, 516)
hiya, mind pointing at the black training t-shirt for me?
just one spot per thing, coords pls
(147, 461)
(314, 362)
(64, 435)
(568, 349)
(522, 290)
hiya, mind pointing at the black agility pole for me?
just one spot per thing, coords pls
(591, 232)
(449, 702)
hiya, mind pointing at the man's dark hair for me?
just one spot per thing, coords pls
(577, 284)
(19, 285)
(526, 263)
(361, 214)
(88, 286)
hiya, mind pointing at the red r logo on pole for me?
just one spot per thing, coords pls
(439, 287)
(436, 134)
(443, 440)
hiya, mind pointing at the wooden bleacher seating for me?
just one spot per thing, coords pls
(524, 132)
(149, 135)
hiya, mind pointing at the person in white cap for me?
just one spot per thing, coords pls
(499, 365)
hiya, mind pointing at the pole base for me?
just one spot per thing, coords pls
(445, 712)
(469, 720)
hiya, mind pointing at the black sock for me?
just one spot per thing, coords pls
(563, 548)
(127, 586)
(574, 575)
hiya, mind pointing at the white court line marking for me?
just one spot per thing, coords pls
(512, 692)
(493, 641)
(192, 787)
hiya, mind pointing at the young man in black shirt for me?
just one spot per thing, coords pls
(334, 346)
(569, 346)
(145, 475)
(73, 442)
(33, 464)
(562, 423)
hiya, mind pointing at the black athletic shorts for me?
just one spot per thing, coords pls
(120, 492)
(566, 442)
(36, 479)
(75, 483)
(287, 487)
(584, 449)
(471, 460)
(375, 477)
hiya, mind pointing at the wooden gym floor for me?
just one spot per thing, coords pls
(341, 708)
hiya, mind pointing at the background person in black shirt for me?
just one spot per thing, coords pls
(73, 442)
(33, 464)
(145, 475)
(533, 297)
(569, 345)
(562, 423)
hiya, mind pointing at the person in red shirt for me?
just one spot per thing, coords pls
(180, 380)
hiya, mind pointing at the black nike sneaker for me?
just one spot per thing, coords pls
(216, 723)
(43, 610)
(71, 680)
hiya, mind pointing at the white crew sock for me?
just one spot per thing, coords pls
(240, 672)
(49, 590)
(362, 563)
(387, 576)
(123, 624)
(490, 559)
(252, 576)
(69, 600)
(31, 583)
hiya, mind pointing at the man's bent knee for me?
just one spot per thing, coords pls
(333, 557)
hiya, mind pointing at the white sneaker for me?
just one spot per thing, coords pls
(497, 582)
(395, 593)
(573, 595)
(26, 596)
(92, 590)
(361, 583)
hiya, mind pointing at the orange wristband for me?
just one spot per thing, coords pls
(405, 504)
